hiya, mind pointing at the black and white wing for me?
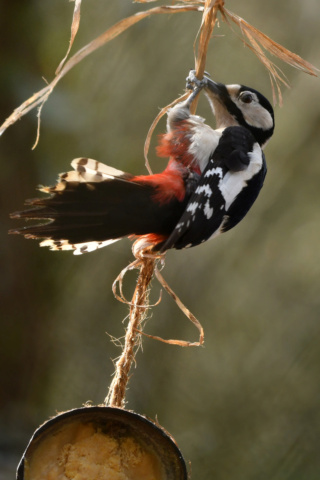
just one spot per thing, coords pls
(226, 190)
(93, 206)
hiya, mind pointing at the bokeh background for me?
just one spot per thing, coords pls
(246, 406)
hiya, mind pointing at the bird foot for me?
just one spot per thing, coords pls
(193, 82)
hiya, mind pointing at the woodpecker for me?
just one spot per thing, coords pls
(212, 179)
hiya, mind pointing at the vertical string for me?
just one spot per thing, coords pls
(140, 301)
(138, 313)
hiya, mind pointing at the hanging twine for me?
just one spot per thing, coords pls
(138, 313)
(147, 263)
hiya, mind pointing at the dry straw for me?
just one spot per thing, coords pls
(257, 41)
(146, 263)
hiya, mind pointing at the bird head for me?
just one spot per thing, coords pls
(241, 105)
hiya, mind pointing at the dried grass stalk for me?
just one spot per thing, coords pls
(42, 96)
(187, 313)
(209, 17)
(258, 42)
(118, 285)
(74, 30)
(252, 37)
(271, 46)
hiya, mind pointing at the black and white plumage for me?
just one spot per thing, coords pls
(226, 190)
(211, 181)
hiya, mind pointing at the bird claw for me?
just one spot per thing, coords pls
(193, 82)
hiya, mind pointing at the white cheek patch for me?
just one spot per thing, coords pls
(257, 116)
(254, 114)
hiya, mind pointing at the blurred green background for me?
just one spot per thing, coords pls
(246, 406)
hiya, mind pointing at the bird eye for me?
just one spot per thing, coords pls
(246, 97)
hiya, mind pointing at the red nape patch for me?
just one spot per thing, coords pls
(168, 185)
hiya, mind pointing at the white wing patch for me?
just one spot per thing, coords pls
(78, 248)
(214, 171)
(192, 207)
(208, 211)
(204, 188)
(234, 182)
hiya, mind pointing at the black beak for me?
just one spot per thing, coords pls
(216, 91)
(221, 103)
(218, 96)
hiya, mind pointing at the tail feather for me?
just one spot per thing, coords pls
(78, 248)
(87, 166)
(94, 206)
